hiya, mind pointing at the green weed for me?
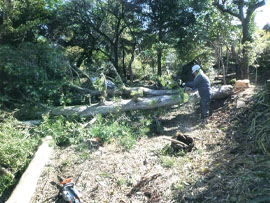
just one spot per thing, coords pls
(121, 182)
(167, 161)
(17, 146)
(167, 150)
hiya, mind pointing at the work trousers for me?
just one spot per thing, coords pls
(205, 107)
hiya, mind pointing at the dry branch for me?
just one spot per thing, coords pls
(175, 141)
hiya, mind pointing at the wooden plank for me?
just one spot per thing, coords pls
(28, 182)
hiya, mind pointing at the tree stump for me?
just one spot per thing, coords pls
(185, 143)
(241, 84)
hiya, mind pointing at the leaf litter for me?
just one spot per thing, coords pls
(222, 166)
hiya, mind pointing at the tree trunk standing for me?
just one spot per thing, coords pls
(130, 64)
(116, 44)
(218, 60)
(221, 63)
(267, 92)
(227, 59)
(224, 72)
(244, 66)
(123, 62)
(153, 66)
(115, 53)
(159, 55)
(242, 10)
(131, 76)
(7, 9)
(218, 50)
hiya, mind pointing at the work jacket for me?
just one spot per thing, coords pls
(202, 83)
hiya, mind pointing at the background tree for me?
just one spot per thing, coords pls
(222, 34)
(29, 66)
(162, 18)
(243, 11)
(103, 30)
(193, 42)
(22, 21)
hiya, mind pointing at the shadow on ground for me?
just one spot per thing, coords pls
(236, 172)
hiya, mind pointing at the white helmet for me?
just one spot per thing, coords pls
(195, 68)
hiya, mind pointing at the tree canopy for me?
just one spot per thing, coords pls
(47, 41)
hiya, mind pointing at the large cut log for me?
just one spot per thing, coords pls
(221, 92)
(26, 187)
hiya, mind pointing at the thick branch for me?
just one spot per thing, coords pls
(223, 9)
(253, 7)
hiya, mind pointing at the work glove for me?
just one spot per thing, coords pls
(181, 83)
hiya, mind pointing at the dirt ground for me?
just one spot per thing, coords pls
(148, 174)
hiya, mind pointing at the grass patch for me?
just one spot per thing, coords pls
(17, 146)
(167, 150)
(67, 131)
(18, 143)
(167, 161)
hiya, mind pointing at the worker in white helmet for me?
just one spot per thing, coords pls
(202, 83)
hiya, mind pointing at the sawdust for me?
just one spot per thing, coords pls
(144, 174)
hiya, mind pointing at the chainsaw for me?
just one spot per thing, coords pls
(70, 193)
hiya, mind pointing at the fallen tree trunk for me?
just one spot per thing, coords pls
(217, 92)
(124, 105)
(133, 104)
(221, 92)
(117, 106)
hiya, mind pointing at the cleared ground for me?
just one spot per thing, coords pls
(222, 167)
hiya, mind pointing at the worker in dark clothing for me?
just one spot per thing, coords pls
(202, 83)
